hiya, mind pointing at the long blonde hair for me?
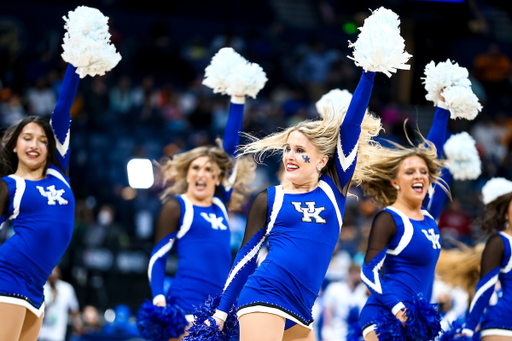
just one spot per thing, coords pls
(175, 172)
(324, 136)
(385, 165)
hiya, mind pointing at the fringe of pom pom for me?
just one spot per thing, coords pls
(495, 188)
(160, 323)
(454, 333)
(379, 46)
(354, 330)
(87, 42)
(336, 98)
(462, 102)
(423, 323)
(463, 160)
(246, 79)
(441, 76)
(200, 331)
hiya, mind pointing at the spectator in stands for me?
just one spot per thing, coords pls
(455, 222)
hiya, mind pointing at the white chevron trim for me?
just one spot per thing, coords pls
(408, 232)
(376, 285)
(491, 282)
(345, 162)
(62, 148)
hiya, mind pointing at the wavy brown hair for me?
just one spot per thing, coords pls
(175, 172)
(385, 165)
(494, 217)
(9, 159)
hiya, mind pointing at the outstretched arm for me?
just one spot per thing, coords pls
(168, 225)
(489, 273)
(61, 116)
(346, 150)
(383, 230)
(232, 139)
(245, 261)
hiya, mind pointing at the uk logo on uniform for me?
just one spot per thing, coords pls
(216, 222)
(53, 195)
(310, 212)
(433, 237)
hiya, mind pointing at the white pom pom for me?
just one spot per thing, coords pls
(443, 75)
(87, 42)
(246, 79)
(495, 188)
(461, 102)
(220, 69)
(336, 97)
(463, 160)
(380, 47)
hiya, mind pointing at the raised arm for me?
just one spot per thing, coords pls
(168, 225)
(383, 230)
(245, 261)
(61, 116)
(232, 139)
(346, 150)
(489, 273)
(435, 204)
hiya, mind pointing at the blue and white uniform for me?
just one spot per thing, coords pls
(407, 249)
(202, 238)
(301, 229)
(497, 319)
(42, 214)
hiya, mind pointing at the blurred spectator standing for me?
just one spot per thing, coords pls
(455, 223)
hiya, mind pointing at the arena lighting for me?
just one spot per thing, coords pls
(140, 173)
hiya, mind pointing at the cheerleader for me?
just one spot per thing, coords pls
(404, 239)
(194, 214)
(301, 219)
(34, 190)
(496, 265)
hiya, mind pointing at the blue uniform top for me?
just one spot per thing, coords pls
(42, 214)
(202, 237)
(302, 230)
(497, 257)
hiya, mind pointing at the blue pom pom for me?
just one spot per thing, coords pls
(388, 327)
(160, 323)
(200, 331)
(454, 333)
(423, 320)
(355, 331)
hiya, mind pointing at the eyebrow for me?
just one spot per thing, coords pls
(297, 146)
(31, 134)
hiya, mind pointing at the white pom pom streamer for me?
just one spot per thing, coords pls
(463, 160)
(337, 98)
(87, 42)
(461, 102)
(380, 47)
(220, 69)
(495, 188)
(246, 79)
(443, 75)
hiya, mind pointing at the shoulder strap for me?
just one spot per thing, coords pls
(408, 231)
(20, 190)
(278, 203)
(218, 202)
(188, 216)
(330, 194)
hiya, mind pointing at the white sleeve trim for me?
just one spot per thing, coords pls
(443, 105)
(62, 148)
(397, 308)
(221, 315)
(376, 285)
(158, 299)
(345, 162)
(468, 332)
(238, 99)
(160, 253)
(491, 282)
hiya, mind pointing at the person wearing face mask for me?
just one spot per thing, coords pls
(302, 218)
(34, 188)
(206, 182)
(496, 265)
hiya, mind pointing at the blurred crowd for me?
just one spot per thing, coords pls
(154, 105)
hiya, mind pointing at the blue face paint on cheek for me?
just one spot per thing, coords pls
(213, 176)
(306, 158)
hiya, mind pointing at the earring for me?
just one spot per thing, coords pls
(506, 222)
(397, 187)
(188, 180)
(218, 183)
(14, 150)
(319, 168)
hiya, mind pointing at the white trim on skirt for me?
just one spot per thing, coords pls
(270, 310)
(22, 302)
(496, 331)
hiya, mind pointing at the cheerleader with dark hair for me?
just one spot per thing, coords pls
(34, 190)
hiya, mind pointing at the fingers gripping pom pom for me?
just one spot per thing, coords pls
(336, 98)
(463, 160)
(454, 333)
(200, 331)
(87, 42)
(160, 323)
(246, 79)
(380, 47)
(462, 102)
(222, 65)
(441, 76)
(389, 328)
